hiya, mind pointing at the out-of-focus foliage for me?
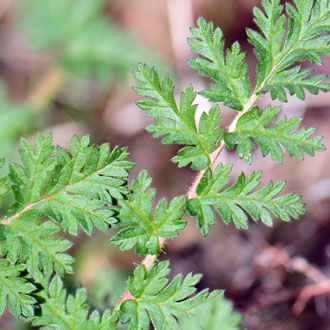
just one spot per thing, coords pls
(107, 287)
(214, 315)
(83, 40)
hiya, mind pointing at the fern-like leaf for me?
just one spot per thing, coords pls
(218, 311)
(278, 48)
(15, 290)
(71, 188)
(254, 126)
(28, 241)
(4, 183)
(159, 302)
(238, 200)
(140, 228)
(69, 312)
(295, 80)
(177, 125)
(227, 70)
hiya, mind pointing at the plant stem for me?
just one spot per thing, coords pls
(147, 262)
(150, 259)
(215, 154)
(7, 221)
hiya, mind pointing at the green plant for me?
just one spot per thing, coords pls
(87, 186)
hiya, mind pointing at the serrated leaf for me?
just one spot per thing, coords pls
(239, 200)
(69, 312)
(159, 302)
(218, 312)
(33, 243)
(278, 47)
(141, 229)
(77, 187)
(15, 290)
(227, 69)
(4, 182)
(177, 124)
(254, 126)
(30, 179)
(295, 80)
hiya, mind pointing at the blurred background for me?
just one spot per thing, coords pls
(66, 67)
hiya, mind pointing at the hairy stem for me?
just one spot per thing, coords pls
(147, 262)
(215, 154)
(150, 259)
(7, 221)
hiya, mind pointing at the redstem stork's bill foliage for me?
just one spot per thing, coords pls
(86, 187)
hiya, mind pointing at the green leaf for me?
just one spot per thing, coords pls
(295, 80)
(30, 179)
(278, 47)
(15, 290)
(4, 182)
(227, 70)
(237, 201)
(69, 312)
(254, 126)
(218, 311)
(140, 228)
(73, 188)
(178, 125)
(33, 243)
(159, 302)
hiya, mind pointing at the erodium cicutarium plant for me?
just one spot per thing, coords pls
(56, 190)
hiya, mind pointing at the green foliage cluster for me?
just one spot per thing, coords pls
(178, 125)
(87, 187)
(165, 304)
(140, 227)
